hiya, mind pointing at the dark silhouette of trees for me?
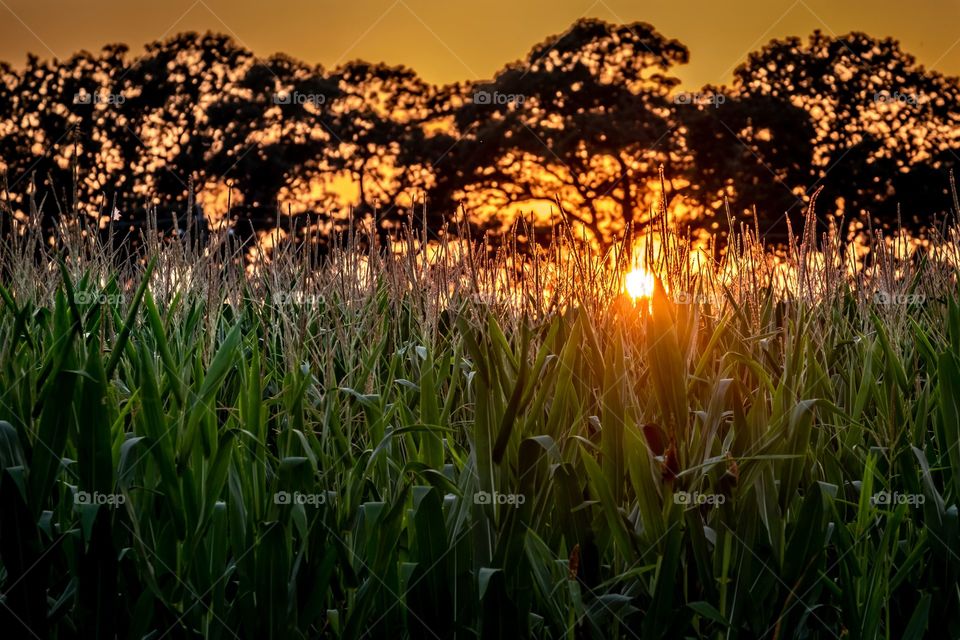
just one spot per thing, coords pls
(384, 145)
(884, 130)
(585, 118)
(750, 152)
(274, 128)
(59, 136)
(175, 119)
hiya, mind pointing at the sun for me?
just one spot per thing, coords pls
(639, 284)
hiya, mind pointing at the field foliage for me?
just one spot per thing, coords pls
(440, 441)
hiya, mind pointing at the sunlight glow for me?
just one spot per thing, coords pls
(639, 284)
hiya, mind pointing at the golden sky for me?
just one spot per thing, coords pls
(448, 40)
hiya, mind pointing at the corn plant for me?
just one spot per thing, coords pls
(476, 443)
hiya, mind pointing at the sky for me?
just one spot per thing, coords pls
(451, 40)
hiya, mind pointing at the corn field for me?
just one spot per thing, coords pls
(441, 441)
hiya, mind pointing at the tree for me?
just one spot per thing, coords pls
(883, 127)
(385, 147)
(63, 133)
(585, 118)
(178, 83)
(750, 152)
(274, 129)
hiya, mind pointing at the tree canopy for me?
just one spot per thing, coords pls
(586, 120)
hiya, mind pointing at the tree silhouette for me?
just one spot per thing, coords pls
(180, 81)
(275, 128)
(385, 148)
(63, 133)
(750, 151)
(884, 128)
(585, 118)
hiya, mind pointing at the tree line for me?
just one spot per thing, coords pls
(591, 122)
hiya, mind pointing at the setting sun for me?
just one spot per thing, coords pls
(639, 284)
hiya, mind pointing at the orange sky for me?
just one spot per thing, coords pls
(447, 40)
